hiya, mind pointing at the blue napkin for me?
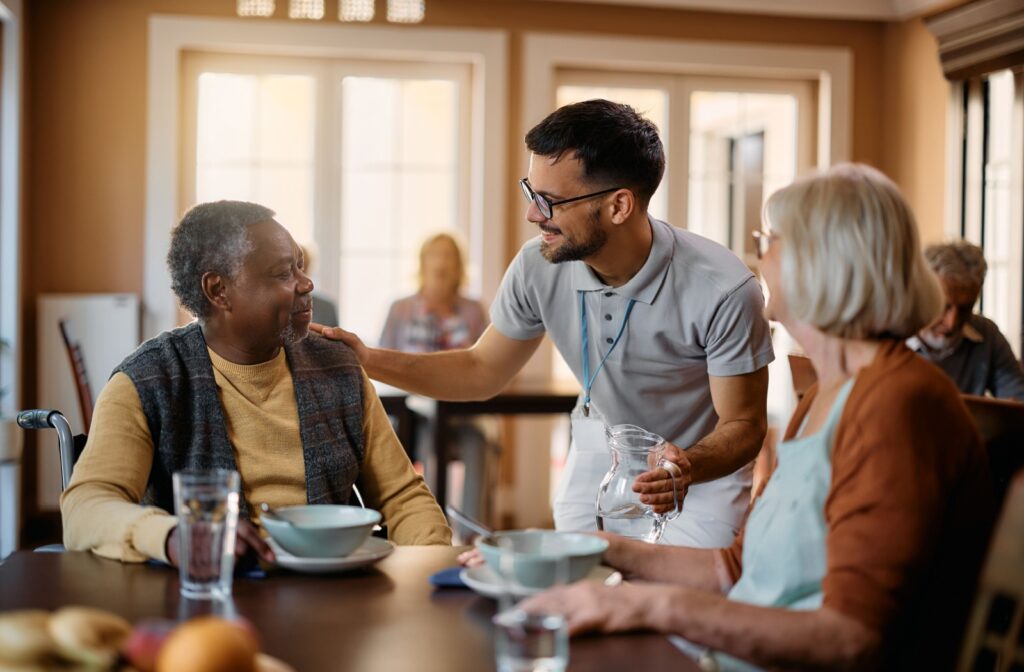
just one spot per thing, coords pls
(448, 578)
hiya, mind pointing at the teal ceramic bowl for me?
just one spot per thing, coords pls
(321, 530)
(534, 552)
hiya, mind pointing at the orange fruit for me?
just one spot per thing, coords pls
(209, 644)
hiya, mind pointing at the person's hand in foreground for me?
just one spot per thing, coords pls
(247, 541)
(589, 606)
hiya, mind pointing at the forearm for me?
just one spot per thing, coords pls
(390, 485)
(692, 567)
(820, 639)
(98, 518)
(731, 446)
(454, 375)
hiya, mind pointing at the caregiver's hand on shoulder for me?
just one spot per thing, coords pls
(346, 337)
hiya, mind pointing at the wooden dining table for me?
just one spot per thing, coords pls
(381, 619)
(411, 409)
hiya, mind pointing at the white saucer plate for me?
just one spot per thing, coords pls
(373, 550)
(483, 581)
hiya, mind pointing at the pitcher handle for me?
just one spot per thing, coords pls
(673, 472)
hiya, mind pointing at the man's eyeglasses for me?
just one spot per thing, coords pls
(762, 241)
(547, 206)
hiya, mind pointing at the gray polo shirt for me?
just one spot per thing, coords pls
(698, 312)
(982, 362)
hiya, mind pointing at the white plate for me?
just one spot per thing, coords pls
(483, 581)
(373, 550)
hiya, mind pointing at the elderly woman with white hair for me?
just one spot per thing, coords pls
(862, 551)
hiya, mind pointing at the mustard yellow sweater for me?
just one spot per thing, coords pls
(100, 507)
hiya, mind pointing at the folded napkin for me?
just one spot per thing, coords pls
(448, 578)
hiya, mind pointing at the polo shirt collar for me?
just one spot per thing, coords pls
(645, 284)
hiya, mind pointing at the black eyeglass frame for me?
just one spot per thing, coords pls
(547, 206)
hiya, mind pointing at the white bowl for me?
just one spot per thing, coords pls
(534, 553)
(321, 530)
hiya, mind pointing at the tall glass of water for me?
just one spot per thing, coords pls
(206, 503)
(528, 642)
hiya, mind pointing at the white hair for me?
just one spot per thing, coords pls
(852, 265)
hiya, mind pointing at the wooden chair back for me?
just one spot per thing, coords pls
(995, 632)
(1001, 423)
(82, 388)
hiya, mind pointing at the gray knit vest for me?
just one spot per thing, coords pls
(174, 378)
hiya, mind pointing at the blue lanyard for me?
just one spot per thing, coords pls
(588, 380)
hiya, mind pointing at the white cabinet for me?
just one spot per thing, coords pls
(107, 327)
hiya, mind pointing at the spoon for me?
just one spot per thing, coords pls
(468, 521)
(274, 515)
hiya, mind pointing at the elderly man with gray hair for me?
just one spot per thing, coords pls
(245, 386)
(967, 346)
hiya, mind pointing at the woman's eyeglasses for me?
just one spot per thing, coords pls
(762, 241)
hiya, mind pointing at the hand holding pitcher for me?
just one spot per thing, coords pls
(655, 486)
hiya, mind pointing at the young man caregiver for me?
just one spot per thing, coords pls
(663, 328)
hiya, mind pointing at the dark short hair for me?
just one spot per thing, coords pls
(615, 144)
(211, 238)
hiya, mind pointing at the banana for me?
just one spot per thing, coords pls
(25, 640)
(89, 636)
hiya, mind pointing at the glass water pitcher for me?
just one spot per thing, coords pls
(619, 509)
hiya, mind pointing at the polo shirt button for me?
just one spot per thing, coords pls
(608, 293)
(608, 317)
(609, 341)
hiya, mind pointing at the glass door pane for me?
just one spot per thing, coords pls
(254, 142)
(743, 146)
(652, 103)
(400, 183)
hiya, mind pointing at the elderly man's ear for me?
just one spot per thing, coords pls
(215, 289)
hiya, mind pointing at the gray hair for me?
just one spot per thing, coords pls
(851, 263)
(960, 262)
(211, 238)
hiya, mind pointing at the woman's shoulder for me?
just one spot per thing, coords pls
(902, 399)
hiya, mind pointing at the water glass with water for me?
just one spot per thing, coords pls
(206, 503)
(528, 642)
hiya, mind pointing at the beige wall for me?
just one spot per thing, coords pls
(913, 122)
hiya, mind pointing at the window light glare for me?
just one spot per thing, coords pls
(255, 7)
(306, 9)
(406, 11)
(356, 10)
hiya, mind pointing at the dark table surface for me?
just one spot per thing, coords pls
(381, 619)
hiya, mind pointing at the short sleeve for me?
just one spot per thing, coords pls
(514, 312)
(738, 338)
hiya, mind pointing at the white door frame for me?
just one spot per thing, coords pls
(485, 50)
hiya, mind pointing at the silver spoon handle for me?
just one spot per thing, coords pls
(469, 522)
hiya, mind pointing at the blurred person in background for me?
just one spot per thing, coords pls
(967, 346)
(436, 318)
(324, 309)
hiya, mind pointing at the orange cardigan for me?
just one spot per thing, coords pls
(909, 511)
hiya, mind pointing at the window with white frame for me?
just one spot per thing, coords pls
(729, 142)
(989, 113)
(362, 159)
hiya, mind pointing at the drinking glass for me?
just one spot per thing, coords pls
(206, 503)
(528, 642)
